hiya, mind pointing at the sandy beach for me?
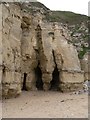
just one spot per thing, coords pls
(51, 104)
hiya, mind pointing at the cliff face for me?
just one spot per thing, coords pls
(36, 53)
(11, 46)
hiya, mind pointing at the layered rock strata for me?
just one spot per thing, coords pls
(36, 54)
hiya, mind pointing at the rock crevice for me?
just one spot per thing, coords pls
(36, 55)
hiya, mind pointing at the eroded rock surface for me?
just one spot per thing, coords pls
(36, 53)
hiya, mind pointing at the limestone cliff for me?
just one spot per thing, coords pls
(35, 54)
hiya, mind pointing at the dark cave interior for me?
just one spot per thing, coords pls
(39, 82)
(24, 82)
(54, 84)
(55, 80)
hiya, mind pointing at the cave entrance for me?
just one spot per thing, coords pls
(39, 82)
(55, 80)
(24, 82)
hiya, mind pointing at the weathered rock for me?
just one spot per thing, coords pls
(85, 65)
(11, 75)
(29, 43)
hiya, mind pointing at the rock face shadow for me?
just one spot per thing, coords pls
(24, 82)
(55, 80)
(39, 82)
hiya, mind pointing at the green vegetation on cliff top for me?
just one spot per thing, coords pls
(62, 16)
(58, 16)
(67, 17)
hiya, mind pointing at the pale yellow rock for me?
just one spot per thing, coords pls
(28, 43)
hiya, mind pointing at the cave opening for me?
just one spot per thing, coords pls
(39, 82)
(24, 82)
(55, 80)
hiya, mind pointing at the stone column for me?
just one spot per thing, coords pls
(47, 78)
(31, 81)
(45, 55)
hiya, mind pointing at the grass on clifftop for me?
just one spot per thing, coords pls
(67, 17)
(58, 16)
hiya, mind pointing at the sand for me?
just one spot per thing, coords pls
(0, 109)
(51, 104)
